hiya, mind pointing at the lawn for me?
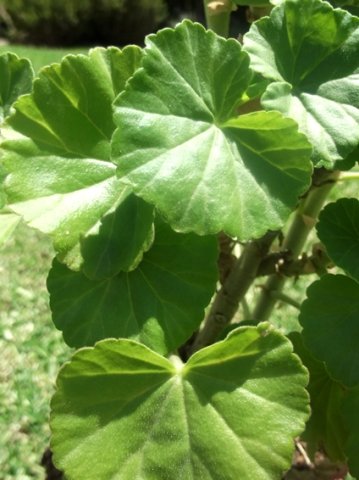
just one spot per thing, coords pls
(40, 56)
(32, 349)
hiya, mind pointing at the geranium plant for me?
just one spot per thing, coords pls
(170, 178)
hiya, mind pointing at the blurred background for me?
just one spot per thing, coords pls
(62, 23)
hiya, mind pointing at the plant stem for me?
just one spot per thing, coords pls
(347, 176)
(218, 14)
(285, 298)
(303, 222)
(227, 300)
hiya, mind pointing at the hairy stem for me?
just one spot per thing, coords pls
(296, 237)
(218, 14)
(227, 300)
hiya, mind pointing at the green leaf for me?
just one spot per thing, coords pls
(182, 148)
(330, 317)
(325, 427)
(16, 77)
(310, 51)
(350, 412)
(230, 412)
(119, 240)
(8, 223)
(160, 303)
(61, 179)
(338, 229)
(349, 162)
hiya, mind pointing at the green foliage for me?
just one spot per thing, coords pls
(209, 154)
(66, 22)
(333, 303)
(132, 161)
(297, 47)
(160, 302)
(338, 230)
(120, 389)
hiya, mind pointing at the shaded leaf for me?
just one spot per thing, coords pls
(325, 427)
(310, 51)
(182, 147)
(330, 317)
(160, 303)
(350, 411)
(338, 229)
(214, 417)
(61, 179)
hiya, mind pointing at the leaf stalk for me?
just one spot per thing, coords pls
(303, 221)
(218, 14)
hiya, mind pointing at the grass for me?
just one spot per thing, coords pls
(31, 350)
(40, 56)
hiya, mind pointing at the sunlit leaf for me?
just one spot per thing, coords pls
(8, 223)
(61, 179)
(212, 418)
(181, 146)
(16, 77)
(310, 51)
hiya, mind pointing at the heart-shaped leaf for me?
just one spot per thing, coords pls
(310, 51)
(182, 147)
(16, 77)
(61, 179)
(160, 303)
(330, 318)
(212, 418)
(338, 229)
(325, 427)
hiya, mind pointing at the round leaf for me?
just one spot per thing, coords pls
(310, 51)
(231, 412)
(338, 229)
(61, 179)
(182, 148)
(330, 318)
(160, 303)
(16, 77)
